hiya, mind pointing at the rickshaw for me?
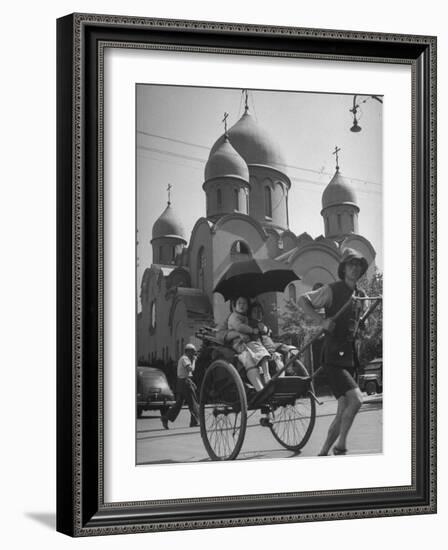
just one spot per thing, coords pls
(287, 403)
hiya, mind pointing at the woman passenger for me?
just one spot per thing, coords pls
(251, 354)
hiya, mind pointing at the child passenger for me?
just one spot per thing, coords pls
(256, 321)
(252, 354)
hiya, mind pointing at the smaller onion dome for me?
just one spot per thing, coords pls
(225, 162)
(253, 143)
(168, 224)
(338, 191)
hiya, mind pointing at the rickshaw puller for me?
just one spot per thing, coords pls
(340, 356)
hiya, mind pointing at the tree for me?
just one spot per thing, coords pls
(297, 328)
(372, 340)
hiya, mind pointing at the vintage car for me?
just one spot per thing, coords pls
(153, 391)
(371, 377)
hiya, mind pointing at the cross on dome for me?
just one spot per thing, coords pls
(335, 152)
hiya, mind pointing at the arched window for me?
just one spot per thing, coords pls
(153, 314)
(292, 293)
(268, 202)
(246, 193)
(240, 247)
(219, 199)
(339, 222)
(201, 268)
(236, 199)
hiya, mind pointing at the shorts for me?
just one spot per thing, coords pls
(340, 380)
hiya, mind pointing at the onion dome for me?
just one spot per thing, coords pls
(224, 162)
(338, 191)
(168, 224)
(252, 143)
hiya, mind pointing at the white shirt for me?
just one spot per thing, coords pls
(320, 298)
(185, 367)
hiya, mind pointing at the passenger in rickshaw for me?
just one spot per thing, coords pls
(280, 353)
(251, 354)
(264, 336)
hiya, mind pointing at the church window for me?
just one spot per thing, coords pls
(247, 200)
(240, 247)
(153, 314)
(268, 202)
(292, 293)
(236, 202)
(173, 254)
(201, 268)
(339, 222)
(219, 198)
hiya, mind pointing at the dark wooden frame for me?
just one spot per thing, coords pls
(81, 510)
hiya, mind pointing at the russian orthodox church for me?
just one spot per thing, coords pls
(246, 188)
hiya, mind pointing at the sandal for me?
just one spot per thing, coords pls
(338, 451)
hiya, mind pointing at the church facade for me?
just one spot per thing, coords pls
(246, 188)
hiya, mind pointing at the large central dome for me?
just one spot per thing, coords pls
(253, 144)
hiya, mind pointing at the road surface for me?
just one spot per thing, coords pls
(155, 445)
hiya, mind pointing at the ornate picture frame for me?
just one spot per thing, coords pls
(81, 506)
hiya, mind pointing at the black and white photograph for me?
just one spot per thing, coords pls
(259, 274)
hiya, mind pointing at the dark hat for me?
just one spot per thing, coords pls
(348, 255)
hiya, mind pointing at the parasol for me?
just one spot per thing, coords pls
(252, 277)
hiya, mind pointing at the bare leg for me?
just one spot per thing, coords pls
(253, 374)
(335, 427)
(353, 404)
(265, 368)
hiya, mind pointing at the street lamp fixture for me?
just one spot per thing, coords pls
(356, 127)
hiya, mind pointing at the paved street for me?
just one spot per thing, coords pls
(183, 444)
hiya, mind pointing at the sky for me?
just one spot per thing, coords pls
(177, 126)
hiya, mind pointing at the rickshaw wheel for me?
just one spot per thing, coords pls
(292, 424)
(222, 411)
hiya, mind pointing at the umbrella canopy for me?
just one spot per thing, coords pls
(252, 277)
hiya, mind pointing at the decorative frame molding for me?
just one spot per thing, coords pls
(81, 39)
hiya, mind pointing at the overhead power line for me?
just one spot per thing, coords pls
(203, 160)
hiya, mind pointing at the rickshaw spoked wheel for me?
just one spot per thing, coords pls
(292, 424)
(222, 411)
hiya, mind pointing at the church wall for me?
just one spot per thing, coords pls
(228, 204)
(272, 247)
(202, 239)
(226, 234)
(342, 220)
(312, 263)
(165, 250)
(262, 178)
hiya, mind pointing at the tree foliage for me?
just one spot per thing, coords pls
(372, 341)
(297, 328)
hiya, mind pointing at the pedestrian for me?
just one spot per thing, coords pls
(340, 359)
(186, 391)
